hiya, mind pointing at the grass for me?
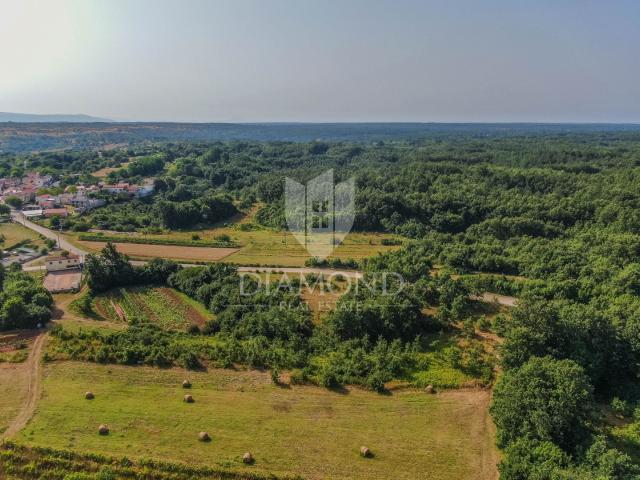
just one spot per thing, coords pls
(15, 233)
(89, 237)
(258, 245)
(268, 247)
(20, 463)
(304, 430)
(17, 356)
(13, 383)
(167, 307)
(103, 172)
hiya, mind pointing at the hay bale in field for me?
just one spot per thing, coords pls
(89, 395)
(103, 430)
(430, 390)
(204, 437)
(188, 399)
(186, 384)
(247, 459)
(365, 452)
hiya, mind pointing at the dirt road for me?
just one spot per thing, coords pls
(32, 368)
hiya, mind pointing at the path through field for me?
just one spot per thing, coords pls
(31, 369)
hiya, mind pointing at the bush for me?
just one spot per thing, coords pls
(621, 407)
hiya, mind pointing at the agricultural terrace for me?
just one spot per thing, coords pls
(304, 430)
(164, 306)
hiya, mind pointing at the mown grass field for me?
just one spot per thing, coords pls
(310, 431)
(258, 245)
(146, 251)
(14, 233)
(14, 386)
(164, 306)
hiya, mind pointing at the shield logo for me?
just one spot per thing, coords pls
(321, 214)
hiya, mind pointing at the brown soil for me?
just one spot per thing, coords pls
(192, 314)
(119, 311)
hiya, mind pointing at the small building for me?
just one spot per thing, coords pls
(117, 188)
(46, 201)
(31, 212)
(69, 262)
(51, 212)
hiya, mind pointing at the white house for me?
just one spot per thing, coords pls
(55, 264)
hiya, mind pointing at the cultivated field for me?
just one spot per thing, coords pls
(136, 250)
(166, 307)
(259, 247)
(310, 431)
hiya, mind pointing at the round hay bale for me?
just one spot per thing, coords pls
(89, 395)
(365, 452)
(186, 384)
(103, 430)
(204, 437)
(188, 399)
(430, 390)
(247, 458)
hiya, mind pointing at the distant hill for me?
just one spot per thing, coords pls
(57, 135)
(35, 118)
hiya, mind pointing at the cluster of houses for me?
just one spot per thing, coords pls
(25, 188)
(82, 198)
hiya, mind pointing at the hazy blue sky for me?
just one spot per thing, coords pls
(324, 60)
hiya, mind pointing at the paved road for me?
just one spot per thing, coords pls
(486, 297)
(64, 244)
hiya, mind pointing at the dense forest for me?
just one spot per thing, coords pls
(556, 218)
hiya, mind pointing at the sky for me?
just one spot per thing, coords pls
(323, 60)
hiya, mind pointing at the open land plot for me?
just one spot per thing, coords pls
(15, 233)
(305, 430)
(164, 306)
(136, 250)
(257, 247)
(62, 281)
(103, 172)
(14, 385)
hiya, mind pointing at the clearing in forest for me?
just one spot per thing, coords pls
(258, 245)
(175, 252)
(305, 430)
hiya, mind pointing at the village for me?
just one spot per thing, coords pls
(31, 199)
(74, 199)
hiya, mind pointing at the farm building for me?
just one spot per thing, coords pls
(56, 264)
